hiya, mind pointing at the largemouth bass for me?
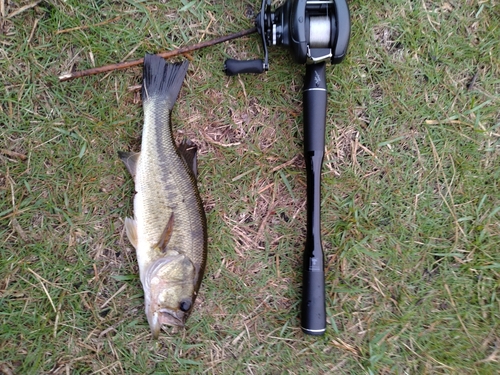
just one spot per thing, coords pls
(168, 230)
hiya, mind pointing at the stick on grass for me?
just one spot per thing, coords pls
(165, 55)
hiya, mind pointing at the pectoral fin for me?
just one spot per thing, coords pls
(131, 229)
(166, 235)
(187, 149)
(130, 160)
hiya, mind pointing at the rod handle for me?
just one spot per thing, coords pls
(313, 312)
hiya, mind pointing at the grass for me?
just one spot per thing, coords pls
(410, 210)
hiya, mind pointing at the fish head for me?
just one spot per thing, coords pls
(169, 291)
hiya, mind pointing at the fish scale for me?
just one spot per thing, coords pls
(168, 230)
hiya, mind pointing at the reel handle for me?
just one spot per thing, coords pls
(313, 311)
(233, 67)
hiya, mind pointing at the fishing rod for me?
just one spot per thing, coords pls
(316, 32)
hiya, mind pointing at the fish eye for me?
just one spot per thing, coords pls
(185, 305)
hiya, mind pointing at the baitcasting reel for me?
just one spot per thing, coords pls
(315, 31)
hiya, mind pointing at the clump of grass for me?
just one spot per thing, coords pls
(410, 204)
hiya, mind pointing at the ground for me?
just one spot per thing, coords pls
(410, 192)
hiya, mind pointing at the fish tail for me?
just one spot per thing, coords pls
(162, 80)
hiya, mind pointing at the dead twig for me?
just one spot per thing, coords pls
(13, 154)
(22, 9)
(165, 55)
(87, 26)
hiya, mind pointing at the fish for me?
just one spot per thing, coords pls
(169, 227)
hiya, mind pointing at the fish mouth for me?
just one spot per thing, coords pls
(165, 317)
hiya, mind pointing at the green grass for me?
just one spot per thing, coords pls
(411, 203)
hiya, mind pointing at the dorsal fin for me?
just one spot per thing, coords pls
(187, 149)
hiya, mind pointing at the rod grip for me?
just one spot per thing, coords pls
(315, 97)
(313, 311)
(233, 67)
(313, 319)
